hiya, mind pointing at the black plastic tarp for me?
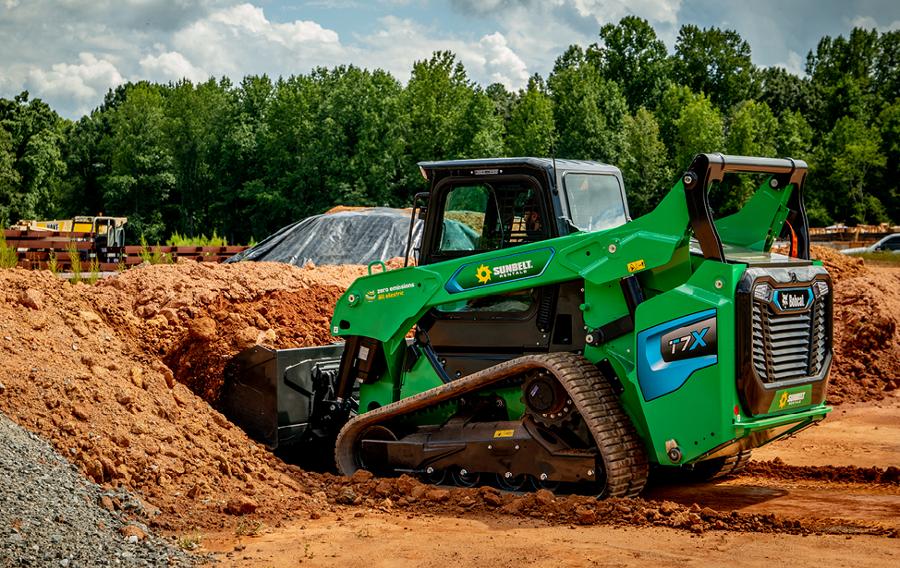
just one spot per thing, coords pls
(358, 236)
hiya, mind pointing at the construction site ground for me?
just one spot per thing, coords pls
(859, 436)
(122, 378)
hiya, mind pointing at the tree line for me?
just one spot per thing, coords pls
(244, 159)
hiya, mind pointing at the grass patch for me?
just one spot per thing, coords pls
(53, 263)
(249, 527)
(190, 541)
(94, 273)
(179, 240)
(74, 263)
(9, 258)
(153, 255)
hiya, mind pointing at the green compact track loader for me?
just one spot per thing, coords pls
(545, 337)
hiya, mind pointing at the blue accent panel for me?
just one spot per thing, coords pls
(451, 286)
(657, 377)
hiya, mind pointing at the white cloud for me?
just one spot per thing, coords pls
(868, 22)
(605, 11)
(795, 64)
(501, 63)
(398, 43)
(85, 81)
(240, 39)
(497, 40)
(539, 31)
(170, 66)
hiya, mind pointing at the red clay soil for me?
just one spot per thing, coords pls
(866, 328)
(409, 494)
(839, 266)
(117, 412)
(195, 316)
(777, 469)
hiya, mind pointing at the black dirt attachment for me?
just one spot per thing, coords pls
(596, 443)
(284, 397)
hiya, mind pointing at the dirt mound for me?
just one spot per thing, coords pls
(840, 266)
(866, 343)
(777, 469)
(197, 316)
(119, 415)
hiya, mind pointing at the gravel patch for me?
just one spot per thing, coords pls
(50, 515)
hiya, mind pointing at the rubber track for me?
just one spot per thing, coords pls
(617, 441)
(733, 465)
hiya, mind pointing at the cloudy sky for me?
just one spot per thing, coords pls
(70, 52)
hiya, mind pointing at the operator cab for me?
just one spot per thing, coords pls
(477, 206)
(481, 206)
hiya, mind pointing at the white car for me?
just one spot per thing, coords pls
(890, 243)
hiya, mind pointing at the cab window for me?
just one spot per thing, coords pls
(484, 217)
(595, 201)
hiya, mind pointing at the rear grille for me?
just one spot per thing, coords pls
(789, 345)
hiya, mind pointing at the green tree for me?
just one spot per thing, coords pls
(85, 163)
(241, 164)
(673, 101)
(335, 136)
(886, 71)
(887, 186)
(502, 98)
(698, 129)
(636, 58)
(645, 163)
(751, 131)
(849, 158)
(142, 170)
(588, 110)
(9, 177)
(530, 131)
(840, 69)
(196, 124)
(794, 136)
(715, 62)
(448, 116)
(36, 135)
(784, 91)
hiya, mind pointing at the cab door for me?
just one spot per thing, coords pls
(473, 216)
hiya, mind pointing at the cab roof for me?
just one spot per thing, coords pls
(549, 165)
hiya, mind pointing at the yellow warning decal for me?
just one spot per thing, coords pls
(504, 433)
(636, 265)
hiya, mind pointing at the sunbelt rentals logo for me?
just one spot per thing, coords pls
(483, 274)
(794, 397)
(791, 399)
(510, 268)
(504, 271)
